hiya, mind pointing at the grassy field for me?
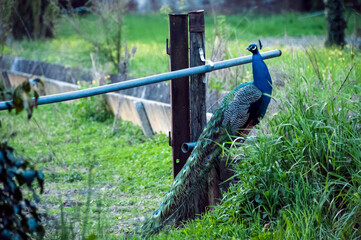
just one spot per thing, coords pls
(70, 141)
(299, 180)
(148, 34)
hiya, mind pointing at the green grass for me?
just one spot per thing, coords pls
(129, 171)
(301, 178)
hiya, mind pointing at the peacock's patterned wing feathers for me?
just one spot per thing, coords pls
(237, 113)
(189, 185)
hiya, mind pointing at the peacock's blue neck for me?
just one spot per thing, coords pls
(261, 77)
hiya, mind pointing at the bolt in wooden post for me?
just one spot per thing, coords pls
(178, 51)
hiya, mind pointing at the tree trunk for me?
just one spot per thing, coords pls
(336, 23)
(33, 19)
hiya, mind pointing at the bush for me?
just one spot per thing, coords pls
(93, 108)
(18, 215)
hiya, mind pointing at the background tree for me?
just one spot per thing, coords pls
(32, 19)
(109, 43)
(336, 23)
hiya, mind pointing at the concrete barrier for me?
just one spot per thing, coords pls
(158, 113)
(60, 79)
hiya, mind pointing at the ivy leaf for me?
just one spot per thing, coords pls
(26, 86)
(5, 235)
(26, 97)
(2, 158)
(28, 176)
(40, 177)
(32, 224)
(17, 102)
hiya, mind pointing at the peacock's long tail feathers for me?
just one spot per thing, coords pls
(189, 188)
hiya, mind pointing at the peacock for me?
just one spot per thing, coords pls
(239, 112)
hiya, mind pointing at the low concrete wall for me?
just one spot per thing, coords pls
(159, 114)
(156, 92)
(60, 79)
(159, 92)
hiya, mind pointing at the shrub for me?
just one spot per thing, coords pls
(18, 215)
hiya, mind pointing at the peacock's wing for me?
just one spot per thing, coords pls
(237, 113)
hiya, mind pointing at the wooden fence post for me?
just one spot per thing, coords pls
(178, 51)
(198, 102)
(197, 83)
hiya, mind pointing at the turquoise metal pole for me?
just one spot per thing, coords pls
(145, 80)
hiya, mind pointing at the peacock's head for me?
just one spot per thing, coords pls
(253, 47)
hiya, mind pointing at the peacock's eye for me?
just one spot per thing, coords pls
(254, 48)
(156, 214)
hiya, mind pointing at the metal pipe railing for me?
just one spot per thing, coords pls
(188, 147)
(145, 80)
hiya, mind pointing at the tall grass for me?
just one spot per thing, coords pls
(301, 178)
(130, 172)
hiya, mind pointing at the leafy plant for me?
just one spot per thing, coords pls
(25, 96)
(18, 215)
(93, 108)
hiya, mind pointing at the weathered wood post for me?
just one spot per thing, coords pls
(197, 83)
(198, 102)
(178, 51)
